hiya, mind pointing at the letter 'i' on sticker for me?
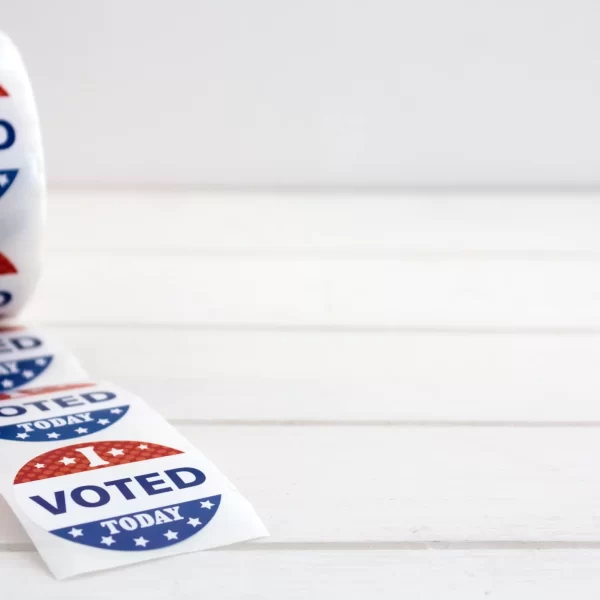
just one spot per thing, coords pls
(22, 183)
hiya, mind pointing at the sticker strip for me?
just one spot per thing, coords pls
(130, 486)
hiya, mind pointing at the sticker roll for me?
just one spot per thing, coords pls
(22, 183)
(97, 478)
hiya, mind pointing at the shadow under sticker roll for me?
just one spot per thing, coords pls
(22, 183)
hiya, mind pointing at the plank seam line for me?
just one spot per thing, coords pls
(313, 328)
(380, 423)
(336, 254)
(375, 545)
(449, 190)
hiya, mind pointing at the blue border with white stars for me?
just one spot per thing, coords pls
(146, 529)
(17, 373)
(64, 427)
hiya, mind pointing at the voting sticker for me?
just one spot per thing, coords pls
(62, 413)
(17, 373)
(130, 496)
(7, 176)
(6, 265)
(31, 359)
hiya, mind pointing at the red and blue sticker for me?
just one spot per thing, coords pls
(6, 265)
(6, 268)
(7, 176)
(57, 417)
(8, 136)
(17, 373)
(119, 495)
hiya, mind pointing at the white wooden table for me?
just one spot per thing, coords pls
(407, 388)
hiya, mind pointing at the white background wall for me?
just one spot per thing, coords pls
(315, 92)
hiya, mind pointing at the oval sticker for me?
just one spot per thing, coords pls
(117, 495)
(26, 417)
(16, 373)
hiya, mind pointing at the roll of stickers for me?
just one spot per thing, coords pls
(22, 183)
(97, 478)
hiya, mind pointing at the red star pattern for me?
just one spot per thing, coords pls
(53, 467)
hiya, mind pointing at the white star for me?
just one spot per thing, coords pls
(108, 541)
(194, 522)
(75, 532)
(206, 504)
(103, 421)
(65, 460)
(22, 435)
(81, 430)
(3, 180)
(7, 383)
(115, 452)
(141, 541)
(54, 435)
(116, 411)
(40, 362)
(39, 466)
(28, 374)
(143, 447)
(171, 535)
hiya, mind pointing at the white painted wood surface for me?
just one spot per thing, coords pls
(323, 224)
(406, 388)
(329, 573)
(412, 484)
(297, 261)
(348, 374)
(515, 293)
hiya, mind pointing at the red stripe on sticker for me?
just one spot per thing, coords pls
(3, 92)
(6, 266)
(38, 391)
(89, 456)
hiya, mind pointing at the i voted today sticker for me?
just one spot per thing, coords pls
(99, 479)
(57, 413)
(31, 359)
(16, 373)
(21, 369)
(122, 495)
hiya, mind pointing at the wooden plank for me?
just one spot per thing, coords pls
(323, 573)
(411, 484)
(368, 376)
(285, 223)
(429, 293)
